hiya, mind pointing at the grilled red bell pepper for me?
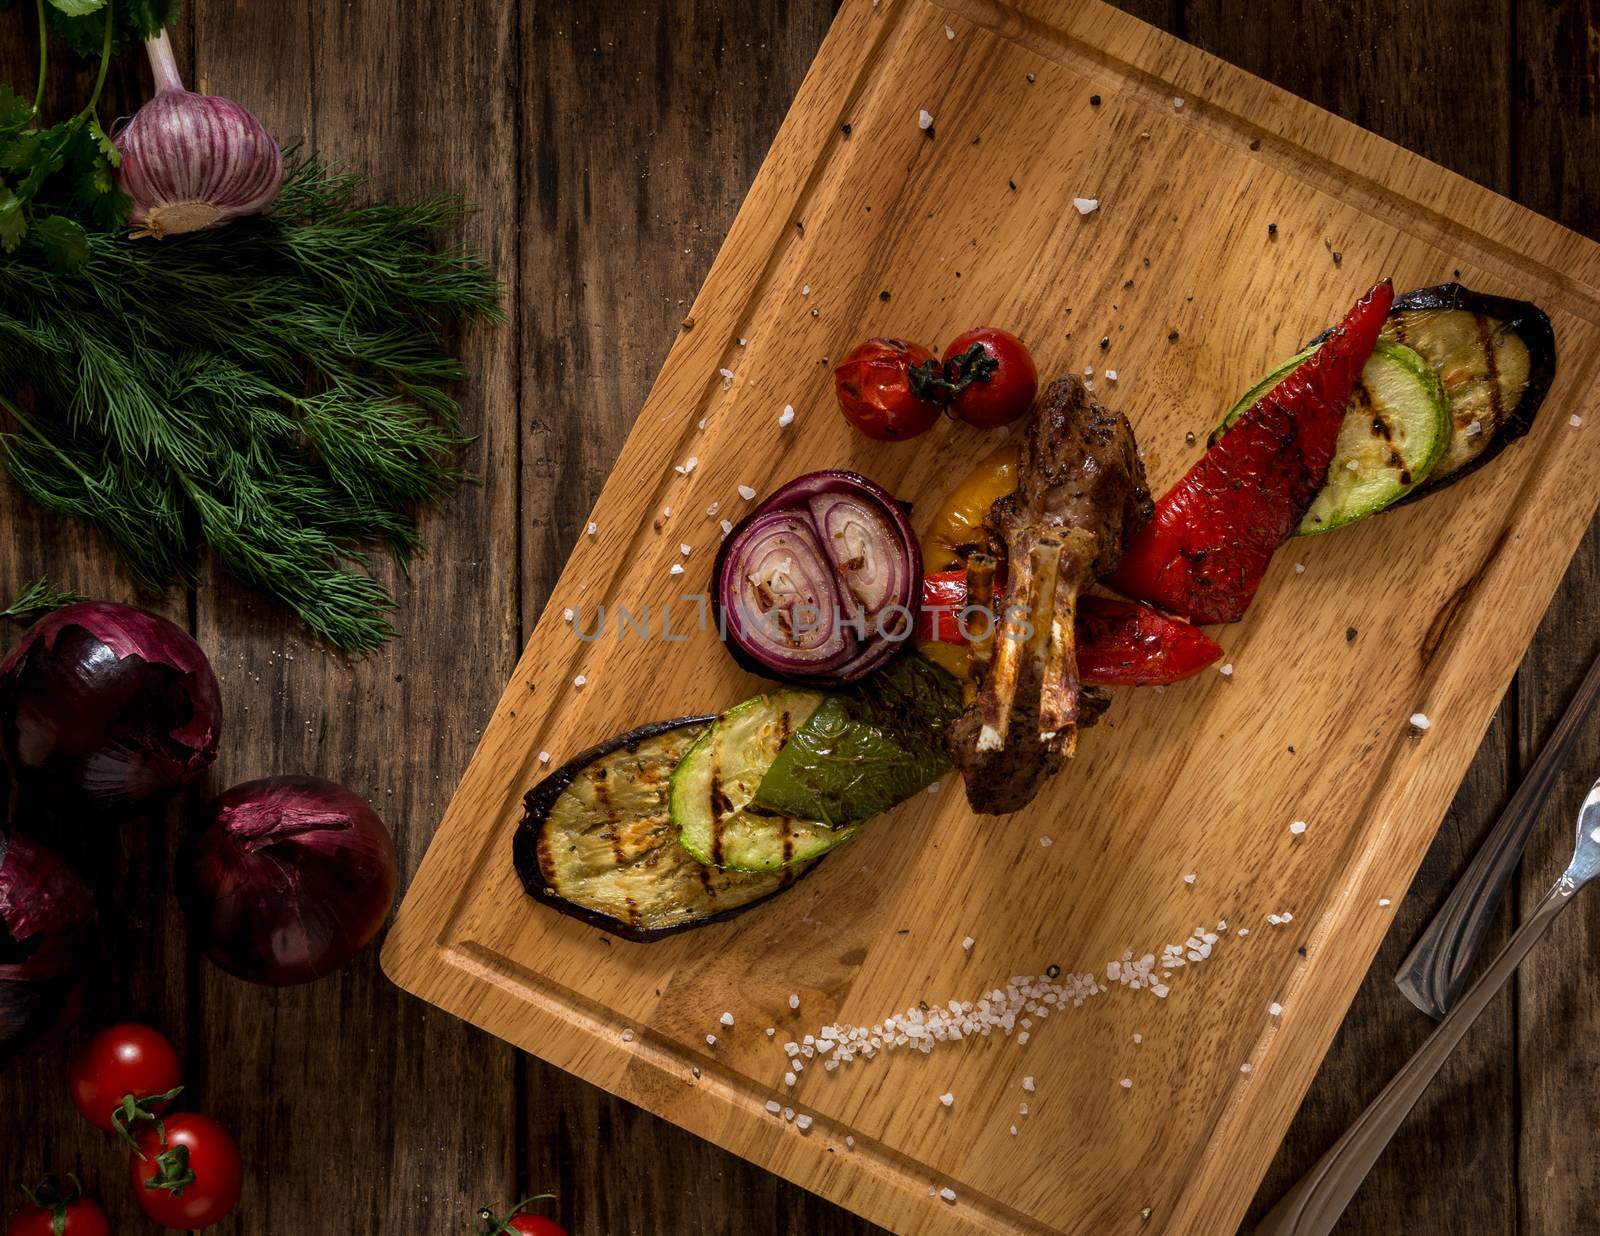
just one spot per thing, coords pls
(1120, 643)
(1213, 534)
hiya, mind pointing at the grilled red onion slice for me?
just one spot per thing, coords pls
(817, 583)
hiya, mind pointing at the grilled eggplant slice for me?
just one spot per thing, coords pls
(597, 841)
(1496, 358)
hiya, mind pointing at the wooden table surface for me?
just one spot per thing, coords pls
(607, 147)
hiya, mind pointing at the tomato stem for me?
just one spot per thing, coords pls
(941, 381)
(175, 1175)
(497, 1225)
(133, 1111)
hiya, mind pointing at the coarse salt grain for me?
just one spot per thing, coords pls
(1111, 375)
(1189, 878)
(727, 378)
(788, 1113)
(948, 1194)
(771, 1030)
(794, 1001)
(713, 509)
(967, 943)
(924, 119)
(544, 757)
(1386, 903)
(774, 1106)
(1243, 932)
(949, 33)
(580, 680)
(1227, 670)
(727, 1019)
(789, 1079)
(1298, 827)
(1419, 721)
(806, 290)
(592, 528)
(1027, 1085)
(1575, 420)
(627, 1036)
(1086, 205)
(685, 548)
(786, 417)
(1177, 103)
(1275, 1009)
(727, 527)
(1013, 1130)
(850, 1141)
(1245, 1067)
(802, 1123)
(711, 1040)
(566, 614)
(1127, 1083)
(1046, 842)
(746, 492)
(676, 569)
(1299, 568)
(1138, 1038)
(947, 1098)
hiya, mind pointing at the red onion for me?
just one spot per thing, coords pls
(817, 583)
(108, 701)
(287, 880)
(46, 924)
(193, 161)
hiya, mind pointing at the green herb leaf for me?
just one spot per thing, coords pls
(275, 392)
(867, 748)
(77, 8)
(37, 596)
(65, 243)
(13, 223)
(15, 111)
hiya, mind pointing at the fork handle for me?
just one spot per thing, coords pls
(1437, 967)
(1314, 1205)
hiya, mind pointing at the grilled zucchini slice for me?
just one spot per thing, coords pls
(597, 841)
(1396, 428)
(714, 784)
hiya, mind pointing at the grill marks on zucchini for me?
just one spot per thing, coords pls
(597, 841)
(713, 786)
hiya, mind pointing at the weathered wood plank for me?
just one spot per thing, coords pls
(347, 1097)
(1557, 169)
(1400, 72)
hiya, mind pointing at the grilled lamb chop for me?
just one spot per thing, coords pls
(1080, 492)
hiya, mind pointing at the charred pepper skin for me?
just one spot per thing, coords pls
(1205, 552)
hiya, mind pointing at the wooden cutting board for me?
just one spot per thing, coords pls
(861, 222)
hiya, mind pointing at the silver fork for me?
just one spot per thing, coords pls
(1314, 1205)
(1436, 969)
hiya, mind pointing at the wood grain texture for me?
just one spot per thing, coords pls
(610, 277)
(833, 219)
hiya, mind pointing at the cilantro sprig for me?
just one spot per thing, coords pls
(58, 180)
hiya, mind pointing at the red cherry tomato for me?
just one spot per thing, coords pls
(536, 1225)
(516, 1223)
(883, 391)
(191, 1178)
(122, 1060)
(994, 377)
(53, 1211)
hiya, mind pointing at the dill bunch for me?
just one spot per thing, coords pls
(274, 392)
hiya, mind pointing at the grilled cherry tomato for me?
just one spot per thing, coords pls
(992, 378)
(889, 389)
(516, 1223)
(54, 1209)
(121, 1062)
(186, 1172)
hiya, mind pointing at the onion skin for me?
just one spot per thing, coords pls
(287, 879)
(110, 702)
(190, 161)
(47, 918)
(804, 498)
